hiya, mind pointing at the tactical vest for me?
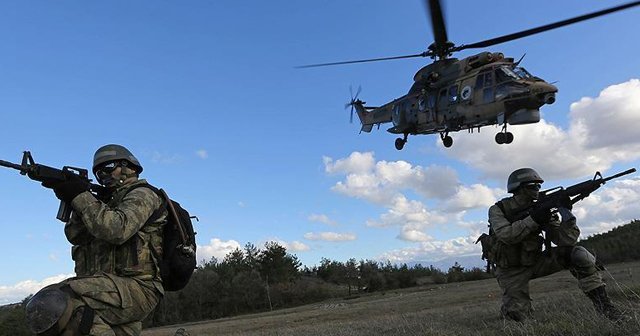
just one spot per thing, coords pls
(135, 257)
(525, 253)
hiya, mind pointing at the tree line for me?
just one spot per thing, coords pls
(255, 279)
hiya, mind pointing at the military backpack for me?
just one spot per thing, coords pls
(178, 242)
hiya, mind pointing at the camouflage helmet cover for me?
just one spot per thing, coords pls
(108, 153)
(520, 176)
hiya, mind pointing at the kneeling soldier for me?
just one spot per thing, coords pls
(517, 224)
(117, 243)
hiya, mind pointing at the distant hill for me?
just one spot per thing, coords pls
(468, 262)
(618, 245)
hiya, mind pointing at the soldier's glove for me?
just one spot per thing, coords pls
(565, 202)
(68, 190)
(541, 214)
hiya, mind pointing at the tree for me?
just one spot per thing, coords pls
(278, 265)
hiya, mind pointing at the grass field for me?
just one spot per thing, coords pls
(468, 308)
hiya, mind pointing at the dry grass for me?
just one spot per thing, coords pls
(469, 308)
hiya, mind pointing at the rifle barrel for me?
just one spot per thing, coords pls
(11, 165)
(626, 172)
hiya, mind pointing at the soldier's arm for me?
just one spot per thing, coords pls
(116, 225)
(510, 233)
(75, 230)
(565, 232)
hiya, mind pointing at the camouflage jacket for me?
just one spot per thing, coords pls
(519, 241)
(122, 236)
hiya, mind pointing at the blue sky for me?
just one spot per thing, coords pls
(206, 95)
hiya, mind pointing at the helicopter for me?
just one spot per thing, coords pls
(451, 94)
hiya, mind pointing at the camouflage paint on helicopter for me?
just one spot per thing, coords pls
(450, 95)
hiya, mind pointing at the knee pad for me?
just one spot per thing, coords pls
(49, 311)
(582, 258)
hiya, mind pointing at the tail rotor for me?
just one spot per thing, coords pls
(354, 100)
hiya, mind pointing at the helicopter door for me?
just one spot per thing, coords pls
(484, 88)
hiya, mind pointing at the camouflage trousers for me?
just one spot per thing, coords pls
(120, 303)
(514, 281)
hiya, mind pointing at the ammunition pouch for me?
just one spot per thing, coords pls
(531, 251)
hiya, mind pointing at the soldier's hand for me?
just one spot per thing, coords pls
(68, 190)
(540, 214)
(565, 202)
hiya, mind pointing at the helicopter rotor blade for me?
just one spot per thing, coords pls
(532, 31)
(354, 99)
(424, 54)
(437, 24)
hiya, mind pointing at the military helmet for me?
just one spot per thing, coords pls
(520, 176)
(109, 153)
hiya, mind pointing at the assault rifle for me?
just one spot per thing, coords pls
(553, 197)
(42, 173)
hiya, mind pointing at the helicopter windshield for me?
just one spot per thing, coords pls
(504, 74)
(522, 72)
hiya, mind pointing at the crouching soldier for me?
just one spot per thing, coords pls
(517, 224)
(117, 243)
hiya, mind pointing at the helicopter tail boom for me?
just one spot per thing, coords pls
(370, 116)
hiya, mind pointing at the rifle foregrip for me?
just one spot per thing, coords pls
(64, 212)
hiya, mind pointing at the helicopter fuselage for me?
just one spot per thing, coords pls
(450, 95)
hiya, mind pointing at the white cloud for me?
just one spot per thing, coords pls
(320, 218)
(434, 250)
(330, 236)
(202, 153)
(474, 196)
(408, 213)
(216, 248)
(16, 293)
(384, 182)
(602, 131)
(414, 235)
(615, 204)
(297, 246)
(356, 162)
(164, 158)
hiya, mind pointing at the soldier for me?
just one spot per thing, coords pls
(517, 223)
(117, 242)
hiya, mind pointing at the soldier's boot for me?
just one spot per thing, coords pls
(181, 332)
(603, 304)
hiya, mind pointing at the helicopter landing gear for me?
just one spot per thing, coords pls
(504, 137)
(400, 142)
(447, 141)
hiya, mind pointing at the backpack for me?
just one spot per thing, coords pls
(178, 243)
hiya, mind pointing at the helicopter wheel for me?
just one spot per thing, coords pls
(400, 143)
(504, 138)
(508, 137)
(447, 141)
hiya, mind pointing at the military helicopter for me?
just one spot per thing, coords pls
(453, 94)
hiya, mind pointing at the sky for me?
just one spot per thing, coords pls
(207, 96)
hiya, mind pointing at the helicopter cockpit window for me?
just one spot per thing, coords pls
(453, 94)
(484, 80)
(504, 74)
(522, 72)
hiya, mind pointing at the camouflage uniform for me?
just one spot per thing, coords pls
(116, 248)
(519, 255)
